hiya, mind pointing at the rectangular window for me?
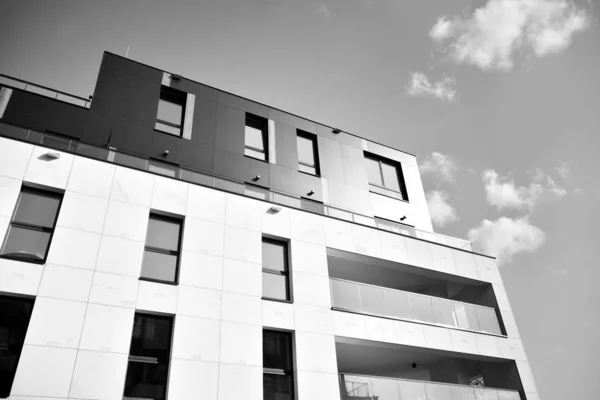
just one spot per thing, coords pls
(256, 137)
(171, 109)
(149, 355)
(386, 175)
(30, 231)
(161, 254)
(14, 320)
(308, 156)
(278, 366)
(275, 271)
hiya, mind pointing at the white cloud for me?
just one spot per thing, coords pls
(440, 165)
(564, 170)
(490, 37)
(502, 192)
(444, 89)
(323, 10)
(441, 211)
(506, 237)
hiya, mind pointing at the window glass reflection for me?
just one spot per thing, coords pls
(159, 266)
(374, 172)
(345, 295)
(254, 138)
(396, 304)
(274, 255)
(390, 176)
(421, 308)
(26, 244)
(36, 208)
(488, 320)
(163, 233)
(371, 300)
(274, 286)
(444, 312)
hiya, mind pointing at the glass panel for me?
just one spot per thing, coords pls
(390, 176)
(163, 233)
(307, 169)
(27, 244)
(374, 172)
(312, 206)
(256, 192)
(171, 130)
(345, 295)
(488, 320)
(462, 393)
(371, 300)
(196, 177)
(229, 185)
(151, 336)
(162, 168)
(506, 395)
(146, 381)
(159, 266)
(130, 161)
(71, 99)
(438, 392)
(384, 389)
(444, 312)
(13, 131)
(421, 308)
(254, 154)
(396, 304)
(306, 151)
(274, 255)
(40, 91)
(12, 82)
(14, 320)
(465, 316)
(277, 350)
(355, 386)
(274, 286)
(412, 390)
(286, 200)
(35, 208)
(278, 387)
(334, 212)
(486, 394)
(169, 112)
(254, 138)
(92, 151)
(56, 142)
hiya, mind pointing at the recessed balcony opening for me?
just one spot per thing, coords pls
(387, 289)
(382, 371)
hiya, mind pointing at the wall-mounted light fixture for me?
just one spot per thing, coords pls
(257, 177)
(403, 218)
(273, 210)
(311, 193)
(166, 153)
(336, 131)
(176, 77)
(53, 155)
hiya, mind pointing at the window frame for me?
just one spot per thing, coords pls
(150, 360)
(315, 148)
(384, 190)
(173, 96)
(283, 372)
(17, 353)
(160, 250)
(32, 227)
(286, 273)
(262, 124)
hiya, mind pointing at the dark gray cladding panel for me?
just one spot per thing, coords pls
(236, 166)
(286, 145)
(344, 138)
(292, 120)
(205, 122)
(355, 170)
(35, 111)
(189, 154)
(293, 182)
(230, 128)
(330, 157)
(242, 104)
(131, 67)
(197, 89)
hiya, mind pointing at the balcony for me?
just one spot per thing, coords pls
(401, 305)
(361, 387)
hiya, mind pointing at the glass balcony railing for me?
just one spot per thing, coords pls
(117, 157)
(44, 91)
(360, 387)
(397, 304)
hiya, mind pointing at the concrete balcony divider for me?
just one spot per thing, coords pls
(397, 304)
(360, 387)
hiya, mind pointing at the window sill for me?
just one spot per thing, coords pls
(309, 174)
(180, 136)
(383, 191)
(257, 159)
(142, 278)
(277, 300)
(39, 262)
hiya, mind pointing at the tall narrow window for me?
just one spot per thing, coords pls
(171, 106)
(161, 255)
(308, 158)
(275, 270)
(14, 320)
(385, 176)
(32, 225)
(149, 355)
(278, 366)
(256, 142)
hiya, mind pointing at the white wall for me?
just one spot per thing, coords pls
(87, 293)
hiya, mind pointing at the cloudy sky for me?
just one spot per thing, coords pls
(499, 98)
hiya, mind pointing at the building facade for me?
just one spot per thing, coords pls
(168, 240)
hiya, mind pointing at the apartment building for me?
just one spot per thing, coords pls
(168, 240)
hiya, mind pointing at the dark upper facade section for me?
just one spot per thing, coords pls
(123, 115)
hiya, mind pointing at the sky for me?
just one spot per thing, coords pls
(499, 99)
